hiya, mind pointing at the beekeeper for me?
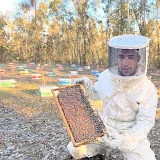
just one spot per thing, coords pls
(129, 101)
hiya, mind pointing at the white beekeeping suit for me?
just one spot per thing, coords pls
(129, 101)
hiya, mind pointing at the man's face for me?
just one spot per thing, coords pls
(127, 62)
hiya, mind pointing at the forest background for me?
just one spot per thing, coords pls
(76, 31)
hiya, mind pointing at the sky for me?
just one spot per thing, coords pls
(8, 5)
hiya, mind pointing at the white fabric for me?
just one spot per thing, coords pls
(142, 151)
(129, 108)
(129, 41)
(88, 150)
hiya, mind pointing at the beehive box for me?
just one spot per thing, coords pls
(45, 91)
(25, 72)
(65, 81)
(60, 68)
(20, 67)
(51, 74)
(58, 65)
(80, 69)
(36, 76)
(82, 123)
(11, 64)
(2, 65)
(13, 68)
(73, 72)
(95, 73)
(2, 71)
(38, 68)
(73, 65)
(87, 67)
(72, 76)
(55, 70)
(28, 70)
(31, 64)
(7, 83)
(46, 65)
(25, 65)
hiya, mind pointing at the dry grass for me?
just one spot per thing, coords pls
(24, 98)
(31, 125)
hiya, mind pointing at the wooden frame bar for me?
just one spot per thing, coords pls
(55, 92)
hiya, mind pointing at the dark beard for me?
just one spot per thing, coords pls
(120, 73)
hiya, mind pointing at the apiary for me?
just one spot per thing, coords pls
(2, 71)
(36, 76)
(82, 123)
(86, 67)
(28, 70)
(55, 70)
(25, 65)
(78, 66)
(65, 81)
(13, 68)
(51, 74)
(95, 73)
(7, 83)
(80, 69)
(73, 74)
(31, 64)
(58, 65)
(73, 65)
(46, 65)
(11, 64)
(45, 91)
(38, 68)
(25, 72)
(20, 67)
(60, 68)
(2, 65)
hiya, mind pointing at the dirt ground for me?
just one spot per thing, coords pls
(31, 126)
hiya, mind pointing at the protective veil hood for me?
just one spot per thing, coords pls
(128, 56)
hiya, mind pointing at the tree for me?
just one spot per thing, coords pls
(3, 45)
(82, 12)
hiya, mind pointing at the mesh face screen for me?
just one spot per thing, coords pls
(82, 123)
(128, 62)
